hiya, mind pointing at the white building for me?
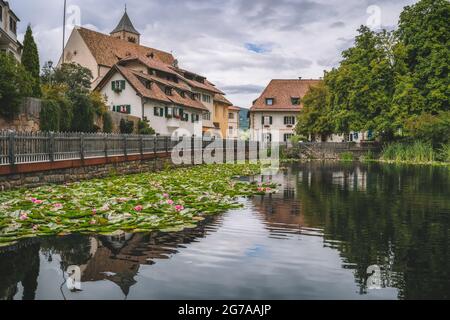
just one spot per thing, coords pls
(8, 31)
(273, 115)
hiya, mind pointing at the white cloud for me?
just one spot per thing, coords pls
(304, 37)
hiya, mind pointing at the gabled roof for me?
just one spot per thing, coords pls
(125, 24)
(234, 108)
(150, 63)
(108, 50)
(282, 91)
(206, 85)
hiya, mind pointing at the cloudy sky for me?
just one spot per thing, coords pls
(240, 45)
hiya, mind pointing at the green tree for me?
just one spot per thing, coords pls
(424, 31)
(126, 126)
(83, 113)
(58, 93)
(144, 128)
(107, 123)
(314, 118)
(76, 77)
(49, 116)
(30, 60)
(15, 85)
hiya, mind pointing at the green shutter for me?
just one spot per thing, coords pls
(166, 111)
(128, 109)
(114, 108)
(113, 85)
(262, 120)
(270, 120)
(155, 111)
(122, 84)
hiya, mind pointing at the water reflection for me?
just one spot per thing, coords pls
(314, 239)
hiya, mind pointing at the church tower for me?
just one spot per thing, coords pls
(125, 30)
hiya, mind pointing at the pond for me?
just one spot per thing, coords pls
(314, 239)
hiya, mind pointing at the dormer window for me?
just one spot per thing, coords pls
(183, 94)
(270, 101)
(168, 91)
(295, 101)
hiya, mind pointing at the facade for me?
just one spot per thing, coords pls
(221, 106)
(8, 31)
(233, 122)
(273, 115)
(151, 78)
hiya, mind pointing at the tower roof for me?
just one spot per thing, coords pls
(125, 24)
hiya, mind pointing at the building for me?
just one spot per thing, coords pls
(273, 115)
(233, 122)
(244, 117)
(143, 81)
(8, 31)
(221, 105)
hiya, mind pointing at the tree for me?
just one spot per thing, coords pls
(314, 118)
(49, 116)
(144, 128)
(76, 77)
(126, 126)
(15, 85)
(423, 30)
(30, 60)
(58, 93)
(107, 123)
(83, 113)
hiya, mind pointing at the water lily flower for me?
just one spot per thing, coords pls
(57, 205)
(165, 195)
(179, 208)
(268, 189)
(36, 201)
(35, 227)
(23, 216)
(260, 189)
(138, 208)
(92, 222)
(169, 202)
(120, 200)
(105, 207)
(94, 211)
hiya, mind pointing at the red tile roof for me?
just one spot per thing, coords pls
(282, 91)
(222, 99)
(108, 50)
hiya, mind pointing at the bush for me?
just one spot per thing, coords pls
(49, 116)
(144, 128)
(126, 126)
(57, 93)
(107, 123)
(444, 154)
(83, 119)
(369, 156)
(346, 156)
(434, 129)
(419, 152)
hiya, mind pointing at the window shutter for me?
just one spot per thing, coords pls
(122, 84)
(128, 109)
(113, 85)
(285, 120)
(262, 120)
(166, 111)
(270, 119)
(155, 111)
(114, 108)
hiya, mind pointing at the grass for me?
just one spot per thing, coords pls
(417, 152)
(170, 200)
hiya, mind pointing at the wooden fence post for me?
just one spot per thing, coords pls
(125, 147)
(105, 140)
(155, 144)
(51, 146)
(82, 146)
(11, 148)
(166, 142)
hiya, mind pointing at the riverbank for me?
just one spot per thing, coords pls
(169, 200)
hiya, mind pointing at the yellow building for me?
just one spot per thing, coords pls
(221, 105)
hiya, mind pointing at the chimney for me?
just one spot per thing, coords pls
(299, 78)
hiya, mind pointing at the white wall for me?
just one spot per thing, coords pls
(234, 124)
(125, 97)
(278, 129)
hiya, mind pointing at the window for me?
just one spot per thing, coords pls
(269, 101)
(12, 25)
(168, 91)
(185, 117)
(230, 130)
(207, 116)
(267, 137)
(169, 112)
(196, 96)
(287, 137)
(158, 111)
(295, 101)
(266, 120)
(206, 98)
(289, 120)
(1, 14)
(118, 85)
(122, 109)
(195, 117)
(183, 94)
(231, 115)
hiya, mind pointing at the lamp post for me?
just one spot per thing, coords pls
(64, 32)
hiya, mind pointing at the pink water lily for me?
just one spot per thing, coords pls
(165, 195)
(120, 200)
(23, 216)
(58, 205)
(35, 227)
(36, 201)
(169, 202)
(179, 208)
(138, 208)
(105, 207)
(94, 211)
(92, 222)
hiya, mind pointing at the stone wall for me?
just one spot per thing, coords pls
(59, 176)
(28, 118)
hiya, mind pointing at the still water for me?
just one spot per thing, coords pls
(315, 239)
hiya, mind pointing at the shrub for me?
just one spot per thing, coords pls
(83, 113)
(369, 156)
(107, 123)
(444, 154)
(49, 116)
(144, 128)
(126, 126)
(346, 156)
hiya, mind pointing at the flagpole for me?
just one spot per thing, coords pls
(64, 32)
